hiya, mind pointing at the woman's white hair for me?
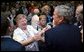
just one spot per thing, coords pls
(65, 11)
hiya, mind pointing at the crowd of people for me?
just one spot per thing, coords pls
(44, 26)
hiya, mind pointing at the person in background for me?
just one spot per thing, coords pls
(31, 12)
(18, 8)
(24, 8)
(5, 12)
(35, 18)
(46, 10)
(7, 43)
(79, 16)
(42, 24)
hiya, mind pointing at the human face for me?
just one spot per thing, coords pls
(78, 11)
(17, 5)
(56, 17)
(43, 21)
(13, 11)
(22, 21)
(77, 14)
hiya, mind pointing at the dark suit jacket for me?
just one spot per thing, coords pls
(8, 44)
(65, 37)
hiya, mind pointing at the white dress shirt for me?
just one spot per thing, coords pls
(19, 36)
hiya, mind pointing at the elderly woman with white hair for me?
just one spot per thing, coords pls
(26, 34)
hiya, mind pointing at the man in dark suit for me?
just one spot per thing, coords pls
(7, 43)
(63, 37)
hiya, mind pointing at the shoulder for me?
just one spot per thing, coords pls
(11, 45)
(74, 27)
(15, 43)
(50, 32)
(17, 30)
(30, 27)
(10, 41)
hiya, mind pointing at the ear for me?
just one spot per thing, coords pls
(9, 27)
(61, 19)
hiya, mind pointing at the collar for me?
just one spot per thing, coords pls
(7, 36)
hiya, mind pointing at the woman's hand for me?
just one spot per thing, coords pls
(37, 37)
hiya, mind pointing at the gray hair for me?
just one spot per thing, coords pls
(65, 11)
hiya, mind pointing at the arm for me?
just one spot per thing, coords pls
(38, 36)
(42, 33)
(28, 41)
(20, 38)
(24, 42)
